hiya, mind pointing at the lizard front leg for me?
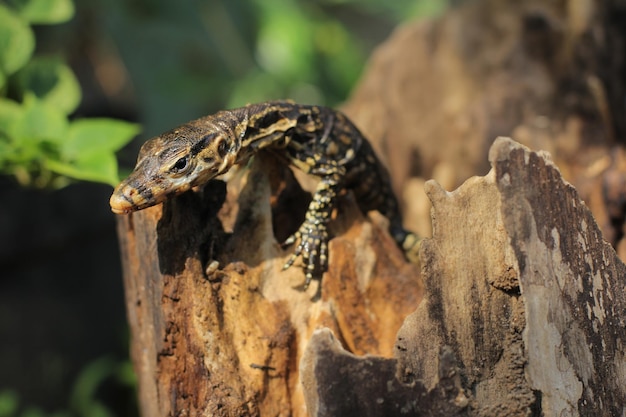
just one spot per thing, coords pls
(313, 234)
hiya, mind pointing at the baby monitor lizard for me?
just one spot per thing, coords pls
(318, 140)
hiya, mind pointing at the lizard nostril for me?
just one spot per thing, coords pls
(120, 203)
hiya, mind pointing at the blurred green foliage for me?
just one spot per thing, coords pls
(83, 400)
(184, 59)
(39, 144)
(190, 58)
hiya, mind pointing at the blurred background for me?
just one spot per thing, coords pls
(156, 64)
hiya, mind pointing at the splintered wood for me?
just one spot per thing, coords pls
(218, 328)
(523, 311)
(522, 292)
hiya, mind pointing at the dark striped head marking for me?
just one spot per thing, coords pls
(176, 161)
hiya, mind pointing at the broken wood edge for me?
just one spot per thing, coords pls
(513, 258)
(573, 285)
(338, 383)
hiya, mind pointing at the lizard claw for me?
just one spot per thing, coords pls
(291, 239)
(290, 261)
(313, 248)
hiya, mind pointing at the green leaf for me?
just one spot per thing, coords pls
(126, 374)
(10, 111)
(86, 385)
(39, 121)
(51, 81)
(96, 135)
(17, 41)
(45, 11)
(5, 156)
(278, 50)
(97, 167)
(27, 133)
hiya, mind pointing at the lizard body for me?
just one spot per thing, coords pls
(318, 140)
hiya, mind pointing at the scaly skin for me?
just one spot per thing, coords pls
(318, 140)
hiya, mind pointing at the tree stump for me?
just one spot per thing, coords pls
(519, 306)
(524, 310)
(226, 340)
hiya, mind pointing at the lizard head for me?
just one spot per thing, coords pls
(174, 162)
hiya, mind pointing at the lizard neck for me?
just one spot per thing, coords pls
(266, 124)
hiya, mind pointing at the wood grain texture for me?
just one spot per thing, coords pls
(523, 313)
(228, 342)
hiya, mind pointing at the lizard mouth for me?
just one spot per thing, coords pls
(126, 198)
(121, 204)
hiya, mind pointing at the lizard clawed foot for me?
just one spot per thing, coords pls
(313, 248)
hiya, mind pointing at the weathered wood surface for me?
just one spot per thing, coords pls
(520, 288)
(228, 341)
(524, 312)
(524, 306)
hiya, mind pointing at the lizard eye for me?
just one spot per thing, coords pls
(180, 165)
(222, 148)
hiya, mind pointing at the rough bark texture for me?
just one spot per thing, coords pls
(520, 288)
(524, 302)
(524, 311)
(337, 383)
(227, 341)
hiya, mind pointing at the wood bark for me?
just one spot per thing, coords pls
(519, 305)
(523, 314)
(226, 341)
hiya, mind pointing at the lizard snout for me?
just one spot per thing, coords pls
(121, 202)
(127, 198)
